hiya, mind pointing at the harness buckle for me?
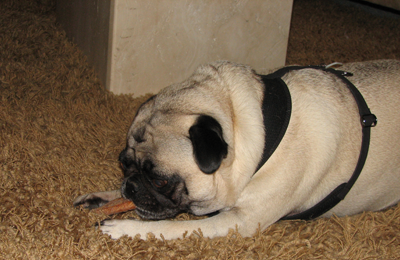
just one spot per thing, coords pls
(369, 120)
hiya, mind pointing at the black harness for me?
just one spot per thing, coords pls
(277, 107)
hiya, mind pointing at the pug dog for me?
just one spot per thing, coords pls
(196, 147)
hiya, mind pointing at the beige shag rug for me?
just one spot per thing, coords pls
(61, 132)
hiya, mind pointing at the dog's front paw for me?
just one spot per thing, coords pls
(118, 228)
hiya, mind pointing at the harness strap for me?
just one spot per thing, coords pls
(276, 109)
(367, 121)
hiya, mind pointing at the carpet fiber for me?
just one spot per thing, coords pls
(61, 132)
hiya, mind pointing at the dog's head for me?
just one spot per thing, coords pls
(179, 152)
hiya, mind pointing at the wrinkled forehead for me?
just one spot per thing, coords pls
(159, 126)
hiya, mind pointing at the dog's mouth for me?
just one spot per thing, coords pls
(143, 213)
(162, 213)
(146, 214)
(154, 202)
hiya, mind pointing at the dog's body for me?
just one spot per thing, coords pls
(196, 145)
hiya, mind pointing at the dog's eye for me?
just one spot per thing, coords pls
(159, 183)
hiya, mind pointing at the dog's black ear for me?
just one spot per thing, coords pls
(209, 147)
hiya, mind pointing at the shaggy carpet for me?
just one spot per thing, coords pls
(61, 132)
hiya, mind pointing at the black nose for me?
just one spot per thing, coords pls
(131, 186)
